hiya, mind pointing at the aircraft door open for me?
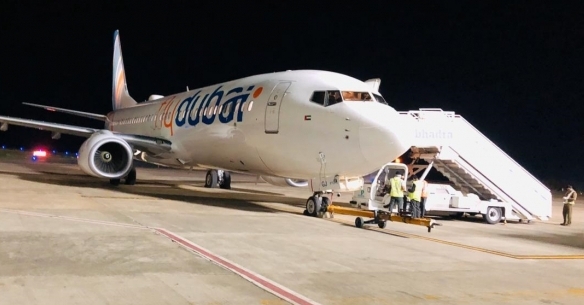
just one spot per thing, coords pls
(272, 119)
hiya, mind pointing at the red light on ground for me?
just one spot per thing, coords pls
(39, 153)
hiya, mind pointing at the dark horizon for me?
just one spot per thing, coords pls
(514, 71)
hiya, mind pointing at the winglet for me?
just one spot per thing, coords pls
(120, 96)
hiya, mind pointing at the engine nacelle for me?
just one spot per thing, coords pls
(105, 155)
(285, 181)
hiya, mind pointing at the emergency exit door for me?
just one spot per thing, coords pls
(272, 119)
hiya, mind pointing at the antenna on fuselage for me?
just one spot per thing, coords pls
(187, 88)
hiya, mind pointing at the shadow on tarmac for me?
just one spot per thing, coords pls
(188, 191)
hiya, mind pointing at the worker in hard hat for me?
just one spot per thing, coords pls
(397, 188)
(415, 196)
(569, 201)
(424, 197)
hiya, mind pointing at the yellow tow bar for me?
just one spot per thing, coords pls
(380, 217)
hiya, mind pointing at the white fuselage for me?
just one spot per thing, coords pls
(267, 125)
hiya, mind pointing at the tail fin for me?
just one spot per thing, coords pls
(120, 96)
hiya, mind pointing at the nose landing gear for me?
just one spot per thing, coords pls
(317, 205)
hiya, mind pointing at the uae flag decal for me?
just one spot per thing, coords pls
(307, 117)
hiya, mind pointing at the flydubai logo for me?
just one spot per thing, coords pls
(205, 108)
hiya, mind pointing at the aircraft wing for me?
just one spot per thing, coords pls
(94, 116)
(61, 128)
(148, 144)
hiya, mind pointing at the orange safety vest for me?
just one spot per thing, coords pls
(424, 190)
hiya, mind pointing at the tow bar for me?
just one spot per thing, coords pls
(380, 217)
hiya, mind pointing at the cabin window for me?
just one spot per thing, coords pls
(227, 108)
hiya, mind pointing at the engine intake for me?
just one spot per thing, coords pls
(104, 155)
(285, 181)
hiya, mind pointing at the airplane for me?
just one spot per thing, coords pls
(298, 128)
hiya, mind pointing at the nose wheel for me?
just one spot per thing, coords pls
(218, 178)
(317, 205)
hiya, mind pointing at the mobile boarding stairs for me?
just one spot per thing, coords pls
(474, 164)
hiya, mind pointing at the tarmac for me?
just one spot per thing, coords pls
(68, 238)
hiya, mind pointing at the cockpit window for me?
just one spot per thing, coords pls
(380, 99)
(326, 98)
(318, 97)
(334, 97)
(352, 96)
(331, 97)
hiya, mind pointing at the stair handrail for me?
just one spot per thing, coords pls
(451, 114)
(501, 151)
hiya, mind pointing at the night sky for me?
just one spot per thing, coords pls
(512, 69)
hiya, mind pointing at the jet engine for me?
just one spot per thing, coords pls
(104, 155)
(285, 181)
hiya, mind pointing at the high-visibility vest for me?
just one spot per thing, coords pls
(425, 189)
(396, 187)
(417, 193)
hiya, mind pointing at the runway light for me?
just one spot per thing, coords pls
(22, 148)
(54, 152)
(39, 153)
(34, 158)
(3, 146)
(66, 152)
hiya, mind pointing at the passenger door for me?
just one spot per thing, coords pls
(272, 119)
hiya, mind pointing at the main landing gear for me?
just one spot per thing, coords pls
(317, 205)
(218, 178)
(129, 180)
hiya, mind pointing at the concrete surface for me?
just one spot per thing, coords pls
(106, 252)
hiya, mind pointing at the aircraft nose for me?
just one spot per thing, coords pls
(384, 141)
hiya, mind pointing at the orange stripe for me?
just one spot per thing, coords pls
(118, 87)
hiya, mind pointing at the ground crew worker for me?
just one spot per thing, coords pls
(415, 196)
(424, 196)
(396, 193)
(569, 201)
